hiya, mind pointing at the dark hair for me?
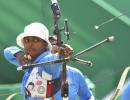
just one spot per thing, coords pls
(31, 83)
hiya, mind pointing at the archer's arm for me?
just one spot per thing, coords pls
(84, 92)
(64, 50)
(14, 55)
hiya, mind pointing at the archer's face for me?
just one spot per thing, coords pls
(34, 46)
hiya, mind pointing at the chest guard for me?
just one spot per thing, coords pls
(43, 86)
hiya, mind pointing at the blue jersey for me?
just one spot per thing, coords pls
(77, 83)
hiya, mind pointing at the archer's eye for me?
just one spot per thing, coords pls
(26, 40)
(36, 40)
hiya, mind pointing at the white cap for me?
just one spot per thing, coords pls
(35, 29)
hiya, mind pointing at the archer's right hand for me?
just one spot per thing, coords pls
(20, 56)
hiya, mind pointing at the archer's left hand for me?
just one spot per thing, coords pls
(65, 50)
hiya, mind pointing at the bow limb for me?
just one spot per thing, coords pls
(121, 83)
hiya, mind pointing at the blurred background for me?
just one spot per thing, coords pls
(109, 60)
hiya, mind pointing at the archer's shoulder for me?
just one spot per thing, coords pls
(74, 70)
(49, 56)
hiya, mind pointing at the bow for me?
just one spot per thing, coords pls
(121, 83)
(56, 13)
